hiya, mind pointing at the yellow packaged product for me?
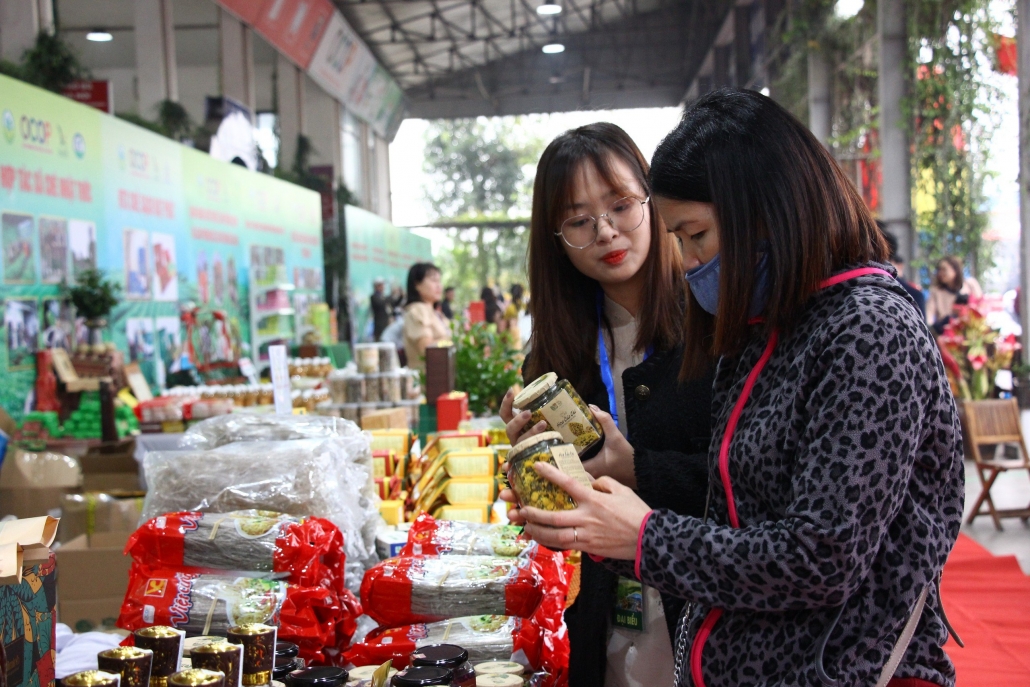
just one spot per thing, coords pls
(466, 512)
(470, 463)
(398, 440)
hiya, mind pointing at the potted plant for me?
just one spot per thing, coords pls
(94, 297)
(485, 365)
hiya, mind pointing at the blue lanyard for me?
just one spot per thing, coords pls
(606, 366)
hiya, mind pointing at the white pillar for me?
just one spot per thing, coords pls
(290, 97)
(236, 60)
(157, 78)
(820, 107)
(1023, 50)
(20, 22)
(323, 118)
(896, 193)
(385, 196)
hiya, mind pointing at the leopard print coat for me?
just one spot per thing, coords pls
(847, 475)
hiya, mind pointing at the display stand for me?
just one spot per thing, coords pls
(272, 316)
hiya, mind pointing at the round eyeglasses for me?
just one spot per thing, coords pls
(625, 215)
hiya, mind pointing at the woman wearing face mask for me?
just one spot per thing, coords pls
(607, 306)
(836, 459)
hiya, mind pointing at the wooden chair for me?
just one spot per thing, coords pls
(995, 422)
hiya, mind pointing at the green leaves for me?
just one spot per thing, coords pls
(486, 365)
(93, 296)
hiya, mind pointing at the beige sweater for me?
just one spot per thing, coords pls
(941, 301)
(421, 322)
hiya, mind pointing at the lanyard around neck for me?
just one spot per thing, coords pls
(606, 367)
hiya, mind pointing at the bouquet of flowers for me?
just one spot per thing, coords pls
(973, 353)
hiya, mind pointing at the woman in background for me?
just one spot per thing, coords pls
(949, 283)
(423, 325)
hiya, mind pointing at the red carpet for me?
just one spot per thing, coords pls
(987, 599)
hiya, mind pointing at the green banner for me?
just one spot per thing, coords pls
(376, 249)
(173, 226)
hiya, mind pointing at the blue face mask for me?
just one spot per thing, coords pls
(704, 284)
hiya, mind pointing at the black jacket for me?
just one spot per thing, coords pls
(669, 428)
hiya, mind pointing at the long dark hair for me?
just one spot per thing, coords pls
(564, 301)
(956, 266)
(416, 275)
(769, 179)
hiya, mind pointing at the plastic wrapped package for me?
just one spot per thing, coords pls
(485, 637)
(318, 620)
(327, 477)
(414, 589)
(431, 537)
(229, 429)
(308, 550)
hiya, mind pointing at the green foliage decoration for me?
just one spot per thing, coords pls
(485, 365)
(92, 295)
(950, 109)
(51, 63)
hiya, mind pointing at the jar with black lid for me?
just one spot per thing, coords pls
(324, 676)
(449, 656)
(422, 676)
(557, 403)
(286, 660)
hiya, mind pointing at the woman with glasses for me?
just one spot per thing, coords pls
(836, 465)
(607, 309)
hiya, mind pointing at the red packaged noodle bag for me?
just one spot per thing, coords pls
(413, 589)
(485, 637)
(310, 549)
(431, 537)
(320, 621)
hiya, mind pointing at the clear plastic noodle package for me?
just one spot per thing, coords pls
(431, 537)
(297, 465)
(230, 429)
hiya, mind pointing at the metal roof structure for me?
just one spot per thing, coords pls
(465, 58)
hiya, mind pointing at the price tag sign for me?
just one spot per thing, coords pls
(248, 370)
(280, 380)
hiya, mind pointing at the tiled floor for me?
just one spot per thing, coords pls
(1011, 490)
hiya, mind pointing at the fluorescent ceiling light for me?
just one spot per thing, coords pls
(548, 8)
(846, 9)
(553, 48)
(99, 36)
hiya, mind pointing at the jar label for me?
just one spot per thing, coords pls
(565, 416)
(567, 460)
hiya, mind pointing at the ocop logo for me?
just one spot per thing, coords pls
(34, 130)
(8, 125)
(79, 145)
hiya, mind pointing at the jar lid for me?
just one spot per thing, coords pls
(193, 643)
(499, 680)
(123, 653)
(446, 655)
(89, 678)
(284, 665)
(534, 440)
(535, 390)
(251, 630)
(156, 631)
(324, 676)
(197, 677)
(286, 649)
(420, 676)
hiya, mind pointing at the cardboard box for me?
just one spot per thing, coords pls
(33, 483)
(27, 605)
(388, 418)
(451, 410)
(111, 467)
(96, 512)
(96, 575)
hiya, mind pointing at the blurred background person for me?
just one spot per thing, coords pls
(492, 307)
(447, 305)
(423, 326)
(899, 264)
(381, 309)
(949, 284)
